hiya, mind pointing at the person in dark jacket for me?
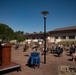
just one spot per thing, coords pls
(59, 50)
(72, 49)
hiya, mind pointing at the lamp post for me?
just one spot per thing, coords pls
(44, 13)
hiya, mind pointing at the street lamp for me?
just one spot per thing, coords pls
(44, 13)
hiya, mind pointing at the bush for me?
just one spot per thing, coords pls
(66, 43)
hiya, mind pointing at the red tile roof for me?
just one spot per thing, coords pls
(65, 28)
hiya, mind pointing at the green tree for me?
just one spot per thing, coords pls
(19, 32)
(6, 33)
(20, 38)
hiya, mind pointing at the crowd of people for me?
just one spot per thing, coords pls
(58, 49)
(54, 48)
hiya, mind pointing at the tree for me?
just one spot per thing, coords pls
(20, 38)
(6, 33)
(19, 32)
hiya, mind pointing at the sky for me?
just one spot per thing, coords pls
(25, 15)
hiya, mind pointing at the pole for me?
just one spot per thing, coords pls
(44, 13)
(44, 39)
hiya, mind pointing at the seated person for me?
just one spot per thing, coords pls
(72, 49)
(59, 50)
(17, 46)
(25, 47)
(43, 51)
(74, 57)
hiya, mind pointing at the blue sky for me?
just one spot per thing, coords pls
(25, 15)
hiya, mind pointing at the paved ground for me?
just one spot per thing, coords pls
(50, 68)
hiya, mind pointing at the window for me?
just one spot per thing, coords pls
(27, 38)
(33, 38)
(71, 37)
(63, 37)
(56, 37)
(37, 38)
(41, 38)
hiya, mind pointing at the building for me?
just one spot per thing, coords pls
(56, 35)
(35, 37)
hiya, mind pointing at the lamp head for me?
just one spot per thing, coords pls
(44, 12)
